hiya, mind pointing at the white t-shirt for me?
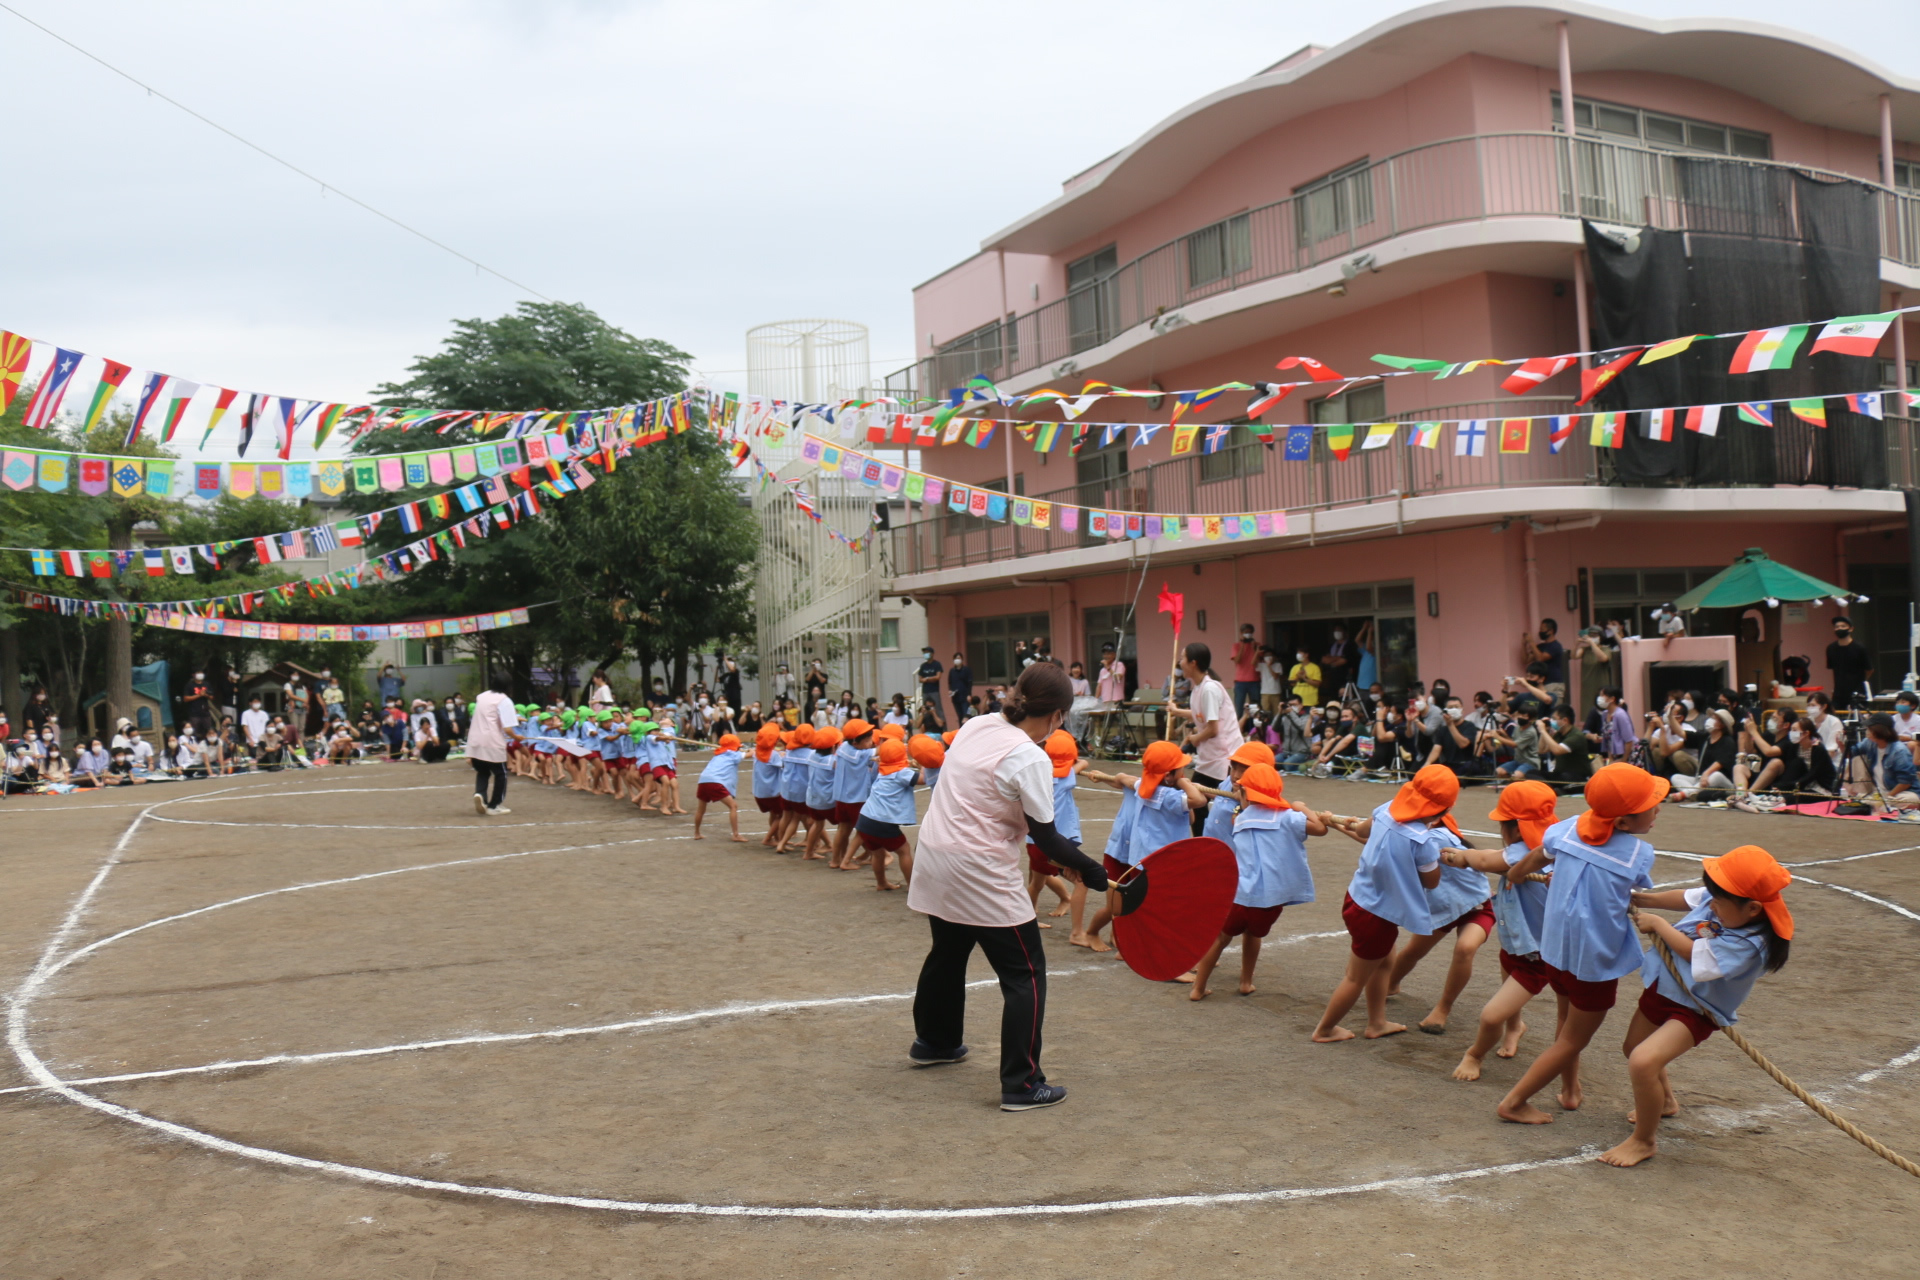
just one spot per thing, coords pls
(1906, 726)
(254, 721)
(1832, 734)
(1210, 702)
(1271, 674)
(493, 715)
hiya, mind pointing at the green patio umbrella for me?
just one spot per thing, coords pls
(1757, 578)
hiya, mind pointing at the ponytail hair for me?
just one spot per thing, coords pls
(1042, 689)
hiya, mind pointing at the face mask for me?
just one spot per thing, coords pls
(1339, 635)
(1454, 713)
(1687, 703)
(1600, 702)
(1841, 633)
(1816, 714)
(1793, 735)
(1546, 635)
(1904, 708)
(1299, 657)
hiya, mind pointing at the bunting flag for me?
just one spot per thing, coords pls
(95, 475)
(149, 397)
(110, 379)
(15, 352)
(1184, 437)
(1516, 435)
(1761, 415)
(1315, 370)
(1562, 431)
(52, 389)
(1340, 439)
(183, 394)
(1660, 424)
(246, 421)
(1671, 347)
(1704, 419)
(176, 616)
(1426, 435)
(1299, 444)
(1608, 432)
(1532, 373)
(1764, 349)
(1854, 335)
(1266, 395)
(1470, 439)
(221, 404)
(1868, 405)
(1813, 411)
(1594, 381)
(1379, 436)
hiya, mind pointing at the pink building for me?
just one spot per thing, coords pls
(1411, 192)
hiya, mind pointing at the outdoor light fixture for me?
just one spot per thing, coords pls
(1433, 604)
(1863, 599)
(1200, 619)
(1573, 597)
(1355, 265)
(1772, 603)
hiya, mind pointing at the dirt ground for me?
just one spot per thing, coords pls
(576, 912)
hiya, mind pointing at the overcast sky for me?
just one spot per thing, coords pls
(686, 169)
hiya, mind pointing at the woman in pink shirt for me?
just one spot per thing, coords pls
(995, 797)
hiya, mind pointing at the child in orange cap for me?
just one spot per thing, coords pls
(1221, 809)
(1401, 861)
(826, 742)
(1064, 753)
(888, 807)
(1587, 939)
(1269, 842)
(853, 775)
(1164, 799)
(717, 783)
(928, 755)
(1736, 927)
(1524, 812)
(769, 755)
(795, 769)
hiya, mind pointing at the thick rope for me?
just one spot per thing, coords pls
(1781, 1078)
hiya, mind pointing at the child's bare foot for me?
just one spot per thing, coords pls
(1433, 1026)
(1043, 924)
(1091, 941)
(1393, 991)
(1247, 988)
(1334, 1036)
(1525, 1113)
(882, 888)
(1057, 911)
(1188, 976)
(1570, 1097)
(1469, 1068)
(1671, 1107)
(810, 857)
(739, 839)
(1199, 992)
(1628, 1154)
(1384, 1029)
(1510, 1042)
(696, 833)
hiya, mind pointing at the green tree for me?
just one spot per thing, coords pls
(653, 562)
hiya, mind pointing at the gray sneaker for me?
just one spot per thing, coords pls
(1041, 1095)
(479, 804)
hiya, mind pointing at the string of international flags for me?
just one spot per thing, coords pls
(174, 619)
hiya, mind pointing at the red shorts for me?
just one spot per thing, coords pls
(1481, 915)
(1529, 971)
(845, 813)
(1115, 868)
(664, 771)
(1372, 937)
(1255, 922)
(1588, 997)
(1657, 1009)
(870, 841)
(824, 815)
(712, 791)
(1040, 862)
(769, 804)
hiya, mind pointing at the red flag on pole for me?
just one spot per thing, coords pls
(1175, 603)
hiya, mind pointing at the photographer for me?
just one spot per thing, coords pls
(1544, 647)
(1672, 741)
(1884, 766)
(1296, 735)
(1718, 761)
(1453, 745)
(1566, 752)
(1595, 656)
(1524, 741)
(1388, 727)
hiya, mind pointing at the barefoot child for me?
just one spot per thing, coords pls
(1064, 754)
(1587, 940)
(1269, 842)
(666, 772)
(717, 783)
(1524, 812)
(768, 757)
(820, 794)
(888, 807)
(1736, 927)
(1163, 815)
(1401, 861)
(1221, 810)
(794, 772)
(1459, 905)
(853, 773)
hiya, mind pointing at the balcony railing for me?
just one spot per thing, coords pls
(1458, 180)
(1248, 478)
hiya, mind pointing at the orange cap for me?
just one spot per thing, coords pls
(825, 740)
(1063, 751)
(765, 741)
(927, 752)
(1615, 792)
(948, 736)
(893, 756)
(1252, 753)
(1159, 760)
(729, 743)
(897, 732)
(1428, 794)
(803, 735)
(1531, 805)
(1752, 872)
(855, 728)
(1263, 785)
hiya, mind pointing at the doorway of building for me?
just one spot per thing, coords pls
(1371, 623)
(1111, 625)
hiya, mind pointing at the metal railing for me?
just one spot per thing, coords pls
(1457, 180)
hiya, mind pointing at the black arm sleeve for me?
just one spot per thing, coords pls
(1063, 852)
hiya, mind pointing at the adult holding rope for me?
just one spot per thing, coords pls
(969, 879)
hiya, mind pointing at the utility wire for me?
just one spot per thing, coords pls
(287, 164)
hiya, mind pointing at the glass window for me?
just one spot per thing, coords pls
(1666, 129)
(1906, 175)
(889, 633)
(1090, 303)
(990, 644)
(1751, 146)
(1337, 203)
(1222, 250)
(1242, 456)
(1616, 120)
(1706, 137)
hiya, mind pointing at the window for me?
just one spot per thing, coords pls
(986, 349)
(990, 644)
(1090, 309)
(1334, 204)
(889, 633)
(1242, 456)
(1664, 131)
(424, 653)
(1222, 250)
(1631, 595)
(1361, 406)
(1906, 175)
(1888, 380)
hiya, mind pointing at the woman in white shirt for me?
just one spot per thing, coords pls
(995, 796)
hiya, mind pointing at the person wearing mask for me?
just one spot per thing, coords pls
(1341, 664)
(1544, 646)
(929, 673)
(91, 765)
(1566, 753)
(22, 772)
(1524, 741)
(38, 711)
(730, 680)
(1827, 726)
(1304, 678)
(1851, 665)
(1246, 674)
(1883, 768)
(1672, 625)
(1296, 736)
(1617, 737)
(959, 687)
(1906, 724)
(253, 721)
(1595, 659)
(1273, 676)
(1436, 712)
(1717, 759)
(53, 768)
(1110, 686)
(199, 704)
(1672, 741)
(391, 683)
(1214, 734)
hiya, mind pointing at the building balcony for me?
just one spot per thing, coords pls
(1396, 489)
(1490, 179)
